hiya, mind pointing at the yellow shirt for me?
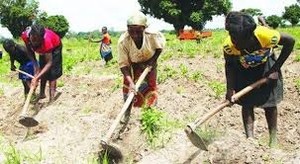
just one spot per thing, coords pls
(267, 38)
(129, 53)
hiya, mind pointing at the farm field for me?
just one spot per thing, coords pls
(191, 81)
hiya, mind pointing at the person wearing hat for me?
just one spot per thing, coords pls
(137, 49)
(19, 53)
(105, 48)
(249, 57)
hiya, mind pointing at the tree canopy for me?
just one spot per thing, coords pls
(58, 23)
(274, 21)
(194, 13)
(252, 11)
(292, 14)
(16, 15)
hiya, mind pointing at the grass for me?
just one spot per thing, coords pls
(151, 122)
(12, 155)
(218, 88)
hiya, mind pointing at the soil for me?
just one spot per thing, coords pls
(70, 129)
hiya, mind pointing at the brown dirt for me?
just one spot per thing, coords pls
(70, 129)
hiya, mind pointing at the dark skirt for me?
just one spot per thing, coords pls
(267, 95)
(55, 70)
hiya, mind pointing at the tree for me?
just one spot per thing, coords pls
(16, 15)
(58, 23)
(252, 11)
(292, 14)
(194, 13)
(274, 21)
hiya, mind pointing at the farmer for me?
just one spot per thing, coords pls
(248, 58)
(49, 47)
(138, 49)
(105, 48)
(19, 53)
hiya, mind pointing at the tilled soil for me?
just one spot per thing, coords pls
(70, 129)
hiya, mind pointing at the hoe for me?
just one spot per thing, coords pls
(190, 128)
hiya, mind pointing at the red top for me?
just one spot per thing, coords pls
(51, 41)
(106, 39)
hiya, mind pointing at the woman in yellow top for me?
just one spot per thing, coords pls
(249, 57)
(138, 49)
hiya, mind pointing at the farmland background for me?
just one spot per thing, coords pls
(191, 82)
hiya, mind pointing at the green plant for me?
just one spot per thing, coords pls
(165, 73)
(151, 122)
(218, 88)
(12, 155)
(297, 58)
(183, 70)
(196, 76)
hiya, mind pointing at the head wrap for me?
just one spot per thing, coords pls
(138, 18)
(239, 23)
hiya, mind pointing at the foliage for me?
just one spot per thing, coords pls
(179, 13)
(14, 156)
(16, 15)
(274, 21)
(57, 23)
(252, 11)
(151, 122)
(217, 87)
(292, 14)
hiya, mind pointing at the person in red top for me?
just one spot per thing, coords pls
(105, 48)
(48, 45)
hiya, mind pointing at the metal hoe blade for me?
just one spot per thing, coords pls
(195, 138)
(28, 121)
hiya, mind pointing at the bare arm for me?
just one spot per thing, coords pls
(287, 43)
(48, 60)
(126, 73)
(152, 61)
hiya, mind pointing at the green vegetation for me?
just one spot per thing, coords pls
(12, 155)
(192, 13)
(151, 122)
(218, 88)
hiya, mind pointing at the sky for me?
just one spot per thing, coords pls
(90, 15)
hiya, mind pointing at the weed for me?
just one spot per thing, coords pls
(217, 87)
(165, 73)
(297, 58)
(118, 84)
(183, 70)
(196, 76)
(151, 122)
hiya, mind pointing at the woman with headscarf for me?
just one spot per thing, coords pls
(249, 57)
(138, 49)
